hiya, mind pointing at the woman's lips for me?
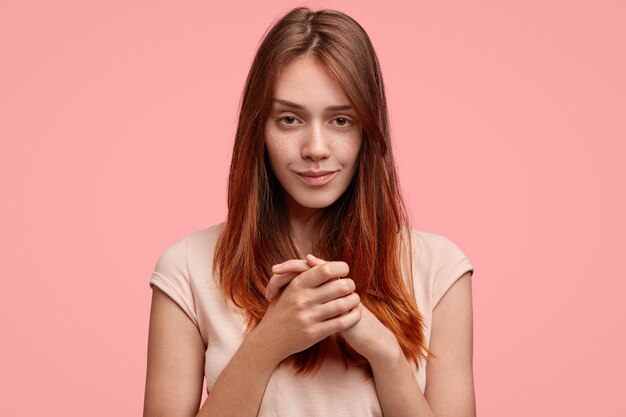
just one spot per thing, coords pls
(319, 179)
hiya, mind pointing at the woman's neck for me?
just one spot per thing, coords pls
(302, 234)
(303, 228)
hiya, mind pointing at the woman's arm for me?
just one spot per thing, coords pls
(175, 361)
(239, 389)
(450, 385)
(450, 377)
(176, 369)
(449, 388)
(299, 317)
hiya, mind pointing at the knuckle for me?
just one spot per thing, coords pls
(303, 318)
(357, 298)
(342, 305)
(346, 286)
(296, 282)
(350, 283)
(351, 318)
(310, 333)
(300, 302)
(344, 267)
(326, 269)
(344, 322)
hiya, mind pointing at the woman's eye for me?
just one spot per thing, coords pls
(288, 120)
(342, 121)
(292, 121)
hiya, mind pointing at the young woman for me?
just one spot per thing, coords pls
(314, 297)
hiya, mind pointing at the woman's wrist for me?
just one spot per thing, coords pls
(262, 347)
(388, 353)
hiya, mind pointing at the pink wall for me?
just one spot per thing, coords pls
(116, 125)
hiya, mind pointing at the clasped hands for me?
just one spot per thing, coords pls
(311, 299)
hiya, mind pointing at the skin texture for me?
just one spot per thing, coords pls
(368, 336)
(311, 298)
(311, 138)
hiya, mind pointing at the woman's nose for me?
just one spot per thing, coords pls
(315, 146)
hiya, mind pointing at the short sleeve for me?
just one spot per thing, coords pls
(172, 277)
(452, 263)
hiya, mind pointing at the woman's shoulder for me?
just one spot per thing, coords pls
(205, 236)
(191, 248)
(437, 262)
(201, 245)
(431, 250)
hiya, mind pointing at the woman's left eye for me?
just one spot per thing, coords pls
(343, 121)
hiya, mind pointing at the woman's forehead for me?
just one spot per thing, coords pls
(307, 84)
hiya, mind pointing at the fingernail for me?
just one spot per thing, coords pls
(267, 293)
(276, 266)
(313, 256)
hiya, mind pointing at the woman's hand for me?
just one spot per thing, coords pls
(314, 305)
(368, 336)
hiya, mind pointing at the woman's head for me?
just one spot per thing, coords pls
(312, 137)
(317, 59)
(336, 46)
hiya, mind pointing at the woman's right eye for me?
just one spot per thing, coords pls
(287, 120)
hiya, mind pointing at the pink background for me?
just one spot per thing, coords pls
(116, 127)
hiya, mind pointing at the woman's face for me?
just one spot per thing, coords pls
(312, 136)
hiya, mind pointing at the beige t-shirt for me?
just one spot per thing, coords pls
(183, 272)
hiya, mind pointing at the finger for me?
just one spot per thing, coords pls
(278, 281)
(334, 288)
(340, 323)
(283, 274)
(338, 307)
(314, 260)
(292, 265)
(319, 274)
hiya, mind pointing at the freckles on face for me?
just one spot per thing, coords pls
(313, 135)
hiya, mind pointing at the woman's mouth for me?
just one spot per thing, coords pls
(316, 179)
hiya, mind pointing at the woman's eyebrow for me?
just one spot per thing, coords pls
(301, 107)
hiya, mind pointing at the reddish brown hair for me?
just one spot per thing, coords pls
(363, 227)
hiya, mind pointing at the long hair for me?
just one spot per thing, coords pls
(363, 227)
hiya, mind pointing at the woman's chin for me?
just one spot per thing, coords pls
(313, 203)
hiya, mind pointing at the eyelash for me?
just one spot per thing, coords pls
(348, 121)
